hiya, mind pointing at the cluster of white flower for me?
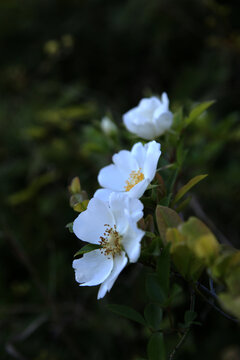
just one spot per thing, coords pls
(110, 220)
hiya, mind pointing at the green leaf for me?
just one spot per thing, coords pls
(87, 248)
(150, 234)
(230, 303)
(188, 186)
(127, 312)
(75, 186)
(197, 111)
(200, 239)
(166, 218)
(80, 207)
(163, 269)
(156, 348)
(154, 289)
(69, 226)
(186, 262)
(153, 315)
(189, 316)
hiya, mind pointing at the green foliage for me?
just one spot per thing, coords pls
(193, 246)
(56, 81)
(87, 248)
(166, 218)
(156, 348)
(127, 312)
(188, 186)
(153, 315)
(197, 111)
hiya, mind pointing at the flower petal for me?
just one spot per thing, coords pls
(102, 194)
(138, 190)
(151, 160)
(89, 225)
(112, 178)
(119, 263)
(131, 242)
(139, 152)
(125, 161)
(93, 268)
(125, 209)
(163, 122)
(146, 130)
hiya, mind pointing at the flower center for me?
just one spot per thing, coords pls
(134, 178)
(111, 241)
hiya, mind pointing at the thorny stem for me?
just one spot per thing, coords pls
(186, 331)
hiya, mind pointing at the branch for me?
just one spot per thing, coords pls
(186, 331)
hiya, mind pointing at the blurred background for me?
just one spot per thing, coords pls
(64, 64)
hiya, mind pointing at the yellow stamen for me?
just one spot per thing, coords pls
(111, 241)
(134, 178)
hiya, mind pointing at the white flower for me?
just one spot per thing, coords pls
(108, 126)
(131, 171)
(151, 118)
(113, 225)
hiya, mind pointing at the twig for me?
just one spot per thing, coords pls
(186, 331)
(216, 307)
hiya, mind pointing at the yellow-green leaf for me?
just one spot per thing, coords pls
(230, 303)
(188, 186)
(166, 218)
(197, 111)
(75, 186)
(81, 206)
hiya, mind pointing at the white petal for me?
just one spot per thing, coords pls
(93, 268)
(145, 131)
(112, 178)
(149, 105)
(163, 122)
(89, 225)
(118, 202)
(139, 189)
(131, 242)
(151, 160)
(165, 100)
(125, 209)
(125, 161)
(134, 210)
(118, 264)
(102, 194)
(139, 152)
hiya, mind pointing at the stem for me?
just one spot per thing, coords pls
(186, 331)
(216, 307)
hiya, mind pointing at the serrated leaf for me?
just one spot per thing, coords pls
(188, 186)
(166, 218)
(127, 312)
(87, 248)
(156, 347)
(153, 315)
(197, 111)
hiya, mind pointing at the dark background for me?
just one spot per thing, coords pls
(63, 65)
